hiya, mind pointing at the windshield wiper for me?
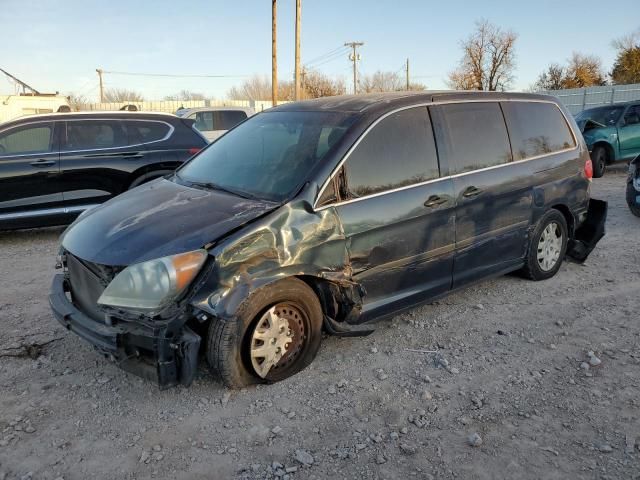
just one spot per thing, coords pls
(232, 191)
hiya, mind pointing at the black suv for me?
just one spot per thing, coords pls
(330, 213)
(53, 167)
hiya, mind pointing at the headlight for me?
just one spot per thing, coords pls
(151, 285)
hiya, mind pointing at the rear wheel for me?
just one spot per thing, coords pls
(600, 158)
(548, 247)
(275, 334)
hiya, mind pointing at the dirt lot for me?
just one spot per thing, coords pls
(508, 368)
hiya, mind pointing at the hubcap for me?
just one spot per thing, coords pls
(277, 339)
(549, 246)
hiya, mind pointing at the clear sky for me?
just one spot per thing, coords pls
(57, 45)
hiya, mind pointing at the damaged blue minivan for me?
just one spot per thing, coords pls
(328, 214)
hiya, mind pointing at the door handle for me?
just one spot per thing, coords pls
(471, 192)
(434, 201)
(43, 163)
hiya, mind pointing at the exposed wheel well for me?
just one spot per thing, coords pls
(608, 148)
(568, 216)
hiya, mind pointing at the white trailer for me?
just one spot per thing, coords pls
(14, 106)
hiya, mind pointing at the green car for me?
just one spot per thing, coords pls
(611, 132)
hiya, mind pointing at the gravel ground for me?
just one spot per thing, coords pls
(511, 393)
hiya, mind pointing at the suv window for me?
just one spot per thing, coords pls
(477, 135)
(218, 119)
(94, 134)
(536, 129)
(227, 119)
(398, 151)
(36, 138)
(140, 131)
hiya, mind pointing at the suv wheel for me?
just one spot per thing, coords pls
(275, 334)
(600, 158)
(548, 247)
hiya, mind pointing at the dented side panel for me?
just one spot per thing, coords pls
(293, 240)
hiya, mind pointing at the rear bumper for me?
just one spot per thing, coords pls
(589, 232)
(166, 354)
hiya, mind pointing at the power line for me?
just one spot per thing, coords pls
(335, 52)
(171, 75)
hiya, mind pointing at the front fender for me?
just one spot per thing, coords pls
(294, 240)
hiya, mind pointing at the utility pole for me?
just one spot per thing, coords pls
(303, 76)
(274, 58)
(354, 57)
(100, 72)
(297, 68)
(407, 74)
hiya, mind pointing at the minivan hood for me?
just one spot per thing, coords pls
(155, 220)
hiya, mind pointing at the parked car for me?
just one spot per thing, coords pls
(52, 167)
(633, 186)
(612, 133)
(333, 213)
(215, 121)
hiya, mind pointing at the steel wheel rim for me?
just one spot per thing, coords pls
(549, 247)
(277, 339)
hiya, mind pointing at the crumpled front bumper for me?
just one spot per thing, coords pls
(166, 353)
(589, 232)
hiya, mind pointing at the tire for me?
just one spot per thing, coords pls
(600, 158)
(631, 196)
(229, 343)
(147, 177)
(535, 269)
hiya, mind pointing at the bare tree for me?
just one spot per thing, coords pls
(255, 88)
(553, 78)
(186, 95)
(488, 62)
(118, 95)
(387, 82)
(317, 85)
(77, 102)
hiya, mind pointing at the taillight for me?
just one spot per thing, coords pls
(588, 169)
(194, 150)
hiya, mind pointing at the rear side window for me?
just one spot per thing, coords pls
(476, 135)
(536, 129)
(145, 132)
(94, 134)
(218, 119)
(36, 138)
(399, 151)
(227, 119)
(204, 121)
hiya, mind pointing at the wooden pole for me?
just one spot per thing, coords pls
(274, 58)
(297, 67)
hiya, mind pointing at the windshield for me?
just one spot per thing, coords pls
(606, 116)
(269, 155)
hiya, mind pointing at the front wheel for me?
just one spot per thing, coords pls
(600, 158)
(548, 247)
(275, 334)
